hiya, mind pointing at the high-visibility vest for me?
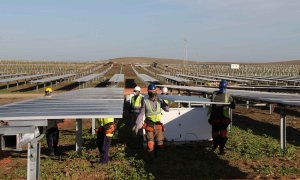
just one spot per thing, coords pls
(154, 116)
(136, 103)
(225, 108)
(104, 121)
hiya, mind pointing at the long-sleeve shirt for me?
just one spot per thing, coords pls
(164, 106)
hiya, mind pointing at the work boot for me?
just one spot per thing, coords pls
(151, 156)
(222, 151)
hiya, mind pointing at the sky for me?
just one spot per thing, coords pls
(215, 30)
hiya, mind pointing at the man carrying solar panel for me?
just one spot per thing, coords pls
(154, 128)
(219, 117)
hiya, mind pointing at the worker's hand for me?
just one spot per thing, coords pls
(232, 105)
(135, 129)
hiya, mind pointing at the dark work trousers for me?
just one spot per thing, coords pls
(52, 136)
(103, 143)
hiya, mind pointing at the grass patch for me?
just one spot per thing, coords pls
(250, 146)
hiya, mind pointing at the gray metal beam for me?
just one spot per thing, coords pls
(17, 130)
(36, 123)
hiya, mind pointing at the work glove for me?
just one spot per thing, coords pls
(136, 128)
(232, 105)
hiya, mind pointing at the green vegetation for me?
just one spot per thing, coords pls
(248, 156)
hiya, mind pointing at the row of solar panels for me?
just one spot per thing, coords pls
(278, 98)
(115, 78)
(144, 77)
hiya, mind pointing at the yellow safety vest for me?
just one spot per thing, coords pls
(225, 108)
(104, 121)
(136, 103)
(154, 116)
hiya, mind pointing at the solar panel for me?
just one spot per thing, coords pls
(88, 78)
(12, 75)
(280, 98)
(117, 78)
(247, 78)
(225, 78)
(23, 78)
(174, 78)
(146, 78)
(54, 78)
(79, 104)
(196, 77)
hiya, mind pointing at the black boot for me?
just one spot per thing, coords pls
(215, 143)
(151, 156)
(223, 141)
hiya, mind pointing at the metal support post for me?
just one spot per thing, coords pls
(93, 126)
(247, 104)
(230, 116)
(78, 135)
(271, 108)
(282, 128)
(33, 158)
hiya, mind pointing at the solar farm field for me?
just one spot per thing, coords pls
(253, 149)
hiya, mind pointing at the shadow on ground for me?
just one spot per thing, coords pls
(178, 161)
(261, 128)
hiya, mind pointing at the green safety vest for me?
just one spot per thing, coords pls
(154, 116)
(136, 103)
(225, 108)
(103, 121)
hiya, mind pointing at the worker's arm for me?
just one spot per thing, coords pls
(164, 105)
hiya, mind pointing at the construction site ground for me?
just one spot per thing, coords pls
(253, 149)
(252, 152)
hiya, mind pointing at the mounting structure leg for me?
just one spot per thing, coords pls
(78, 135)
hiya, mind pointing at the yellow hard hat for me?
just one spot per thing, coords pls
(48, 90)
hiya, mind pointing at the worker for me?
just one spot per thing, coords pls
(52, 136)
(151, 108)
(136, 104)
(48, 92)
(219, 117)
(105, 132)
(52, 132)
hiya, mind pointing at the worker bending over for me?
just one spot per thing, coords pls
(105, 132)
(154, 128)
(219, 117)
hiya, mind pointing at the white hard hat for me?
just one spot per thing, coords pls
(137, 88)
(165, 90)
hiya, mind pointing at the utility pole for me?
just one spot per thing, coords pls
(185, 52)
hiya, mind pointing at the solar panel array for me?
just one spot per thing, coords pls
(198, 78)
(144, 77)
(88, 78)
(54, 78)
(79, 104)
(92, 76)
(117, 78)
(12, 75)
(174, 78)
(226, 78)
(21, 78)
(278, 98)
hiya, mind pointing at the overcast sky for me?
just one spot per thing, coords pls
(216, 30)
